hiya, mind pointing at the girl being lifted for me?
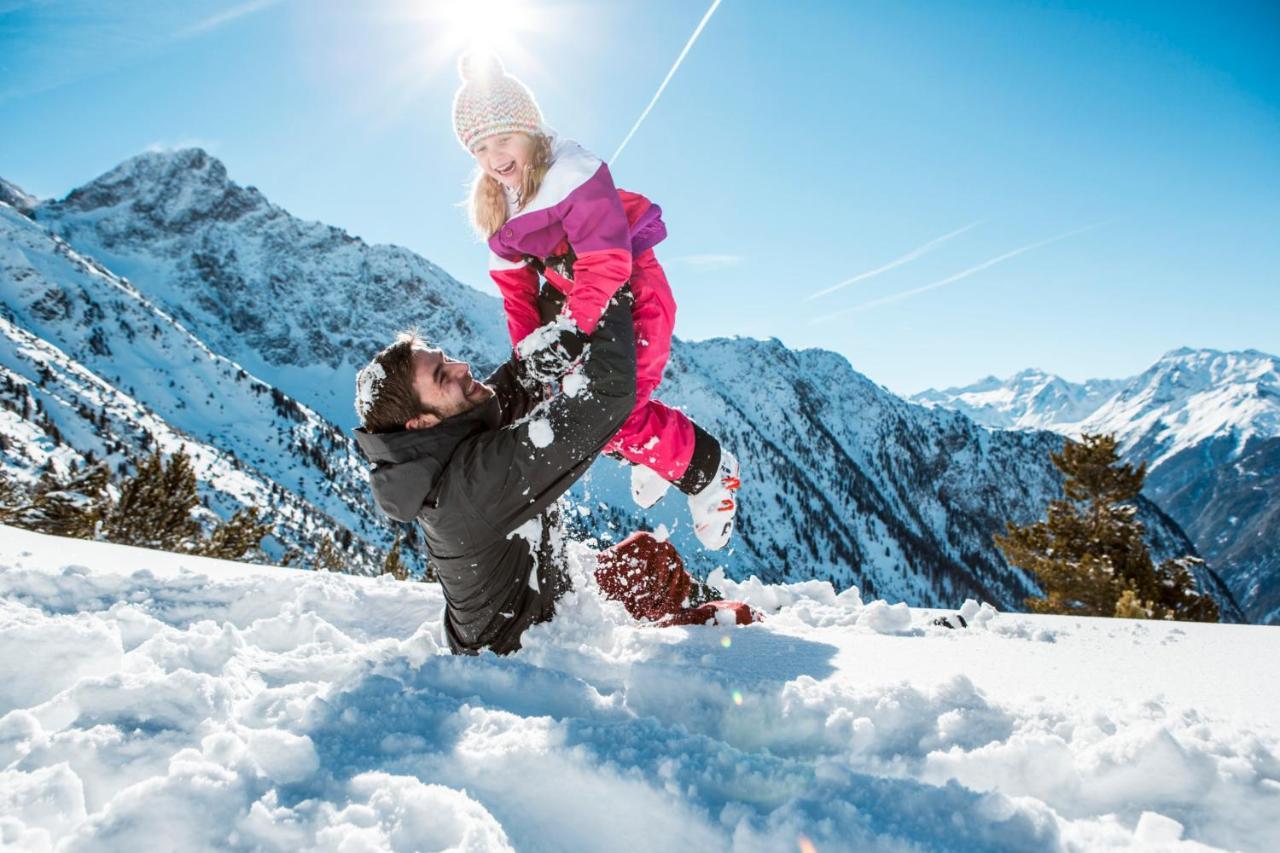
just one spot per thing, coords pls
(549, 210)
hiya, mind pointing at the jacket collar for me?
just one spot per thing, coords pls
(407, 465)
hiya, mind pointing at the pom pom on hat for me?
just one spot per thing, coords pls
(491, 101)
(480, 65)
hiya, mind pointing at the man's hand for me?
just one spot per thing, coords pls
(550, 351)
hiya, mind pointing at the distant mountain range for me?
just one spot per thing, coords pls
(1206, 423)
(164, 305)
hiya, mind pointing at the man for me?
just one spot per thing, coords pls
(480, 466)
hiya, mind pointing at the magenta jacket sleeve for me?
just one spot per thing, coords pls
(596, 226)
(518, 284)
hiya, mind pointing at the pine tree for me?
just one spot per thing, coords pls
(327, 557)
(394, 564)
(237, 537)
(1179, 595)
(13, 497)
(154, 510)
(1090, 555)
(60, 505)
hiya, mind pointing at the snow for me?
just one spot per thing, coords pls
(368, 382)
(152, 698)
(541, 433)
(545, 335)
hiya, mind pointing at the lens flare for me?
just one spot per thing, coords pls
(737, 697)
(449, 28)
(484, 25)
(726, 642)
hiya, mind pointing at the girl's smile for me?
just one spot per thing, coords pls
(504, 156)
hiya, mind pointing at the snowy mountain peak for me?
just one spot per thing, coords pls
(175, 190)
(1030, 399)
(1190, 395)
(1216, 367)
(224, 261)
(17, 198)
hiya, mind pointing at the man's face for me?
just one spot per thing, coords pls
(444, 385)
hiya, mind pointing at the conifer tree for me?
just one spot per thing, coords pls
(237, 537)
(327, 556)
(1090, 555)
(71, 504)
(154, 509)
(12, 498)
(1179, 595)
(394, 564)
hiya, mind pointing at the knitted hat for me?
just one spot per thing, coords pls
(491, 101)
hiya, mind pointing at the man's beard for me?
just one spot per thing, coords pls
(480, 399)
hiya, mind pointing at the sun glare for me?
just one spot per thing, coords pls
(459, 26)
(492, 25)
(435, 33)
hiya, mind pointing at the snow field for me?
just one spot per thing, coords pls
(148, 696)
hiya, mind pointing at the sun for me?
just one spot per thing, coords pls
(486, 25)
(504, 27)
(433, 34)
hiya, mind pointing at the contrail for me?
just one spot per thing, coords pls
(897, 262)
(666, 80)
(215, 21)
(906, 294)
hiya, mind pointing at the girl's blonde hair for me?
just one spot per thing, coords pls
(488, 205)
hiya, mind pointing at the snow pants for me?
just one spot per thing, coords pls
(655, 435)
(647, 575)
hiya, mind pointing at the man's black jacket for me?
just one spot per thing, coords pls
(472, 480)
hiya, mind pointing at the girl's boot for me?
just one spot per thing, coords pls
(647, 486)
(714, 507)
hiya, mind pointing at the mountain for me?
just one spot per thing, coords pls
(1031, 399)
(1205, 423)
(843, 481)
(156, 701)
(298, 304)
(92, 370)
(1191, 396)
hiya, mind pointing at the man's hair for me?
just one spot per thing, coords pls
(385, 396)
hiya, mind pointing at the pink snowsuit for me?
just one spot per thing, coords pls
(612, 233)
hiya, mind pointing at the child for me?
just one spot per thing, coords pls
(549, 208)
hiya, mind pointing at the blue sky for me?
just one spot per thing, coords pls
(1078, 187)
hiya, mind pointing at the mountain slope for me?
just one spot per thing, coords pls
(101, 371)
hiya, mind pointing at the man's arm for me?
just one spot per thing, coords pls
(511, 474)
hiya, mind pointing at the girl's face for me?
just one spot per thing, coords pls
(503, 156)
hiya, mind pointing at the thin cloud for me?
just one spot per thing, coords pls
(212, 22)
(951, 279)
(896, 262)
(666, 80)
(710, 261)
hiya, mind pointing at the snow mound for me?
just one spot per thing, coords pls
(149, 696)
